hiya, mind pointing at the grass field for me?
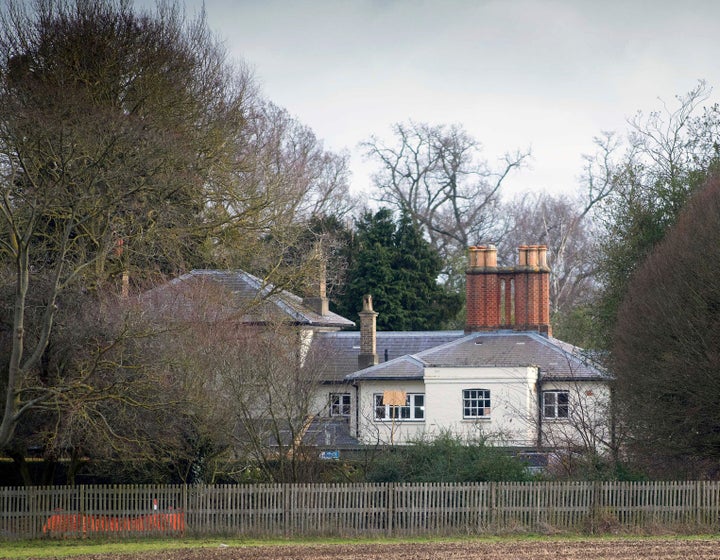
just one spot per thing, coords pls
(506, 548)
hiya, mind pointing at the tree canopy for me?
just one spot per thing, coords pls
(646, 179)
(437, 175)
(398, 267)
(665, 352)
(128, 144)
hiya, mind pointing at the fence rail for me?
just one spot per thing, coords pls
(355, 509)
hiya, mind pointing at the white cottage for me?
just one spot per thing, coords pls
(505, 378)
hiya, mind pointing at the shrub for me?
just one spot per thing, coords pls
(447, 458)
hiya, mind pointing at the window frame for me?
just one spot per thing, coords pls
(413, 411)
(336, 408)
(468, 399)
(556, 406)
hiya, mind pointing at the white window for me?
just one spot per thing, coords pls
(339, 404)
(414, 408)
(556, 404)
(476, 403)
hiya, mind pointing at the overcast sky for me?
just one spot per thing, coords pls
(548, 75)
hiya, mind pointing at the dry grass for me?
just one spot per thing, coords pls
(674, 548)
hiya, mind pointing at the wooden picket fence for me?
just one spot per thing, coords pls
(288, 510)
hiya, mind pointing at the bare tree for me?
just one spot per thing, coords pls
(247, 379)
(275, 396)
(584, 442)
(668, 145)
(285, 159)
(117, 127)
(110, 396)
(648, 176)
(128, 144)
(558, 222)
(437, 176)
(299, 186)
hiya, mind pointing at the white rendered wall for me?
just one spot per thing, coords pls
(513, 403)
(388, 431)
(588, 424)
(514, 418)
(513, 400)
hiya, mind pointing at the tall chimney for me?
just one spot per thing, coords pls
(318, 301)
(482, 289)
(532, 290)
(368, 349)
(508, 297)
(544, 326)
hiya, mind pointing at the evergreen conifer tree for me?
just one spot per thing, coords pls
(400, 269)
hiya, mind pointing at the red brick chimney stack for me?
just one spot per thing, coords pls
(532, 290)
(508, 297)
(482, 288)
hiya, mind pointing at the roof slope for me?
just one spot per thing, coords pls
(216, 295)
(556, 359)
(339, 350)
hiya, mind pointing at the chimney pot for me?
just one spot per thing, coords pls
(522, 255)
(542, 256)
(491, 256)
(481, 256)
(472, 256)
(532, 256)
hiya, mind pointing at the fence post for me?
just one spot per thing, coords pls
(493, 499)
(32, 508)
(286, 509)
(82, 508)
(390, 507)
(594, 504)
(184, 499)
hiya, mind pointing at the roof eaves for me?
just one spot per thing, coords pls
(289, 303)
(392, 378)
(575, 378)
(369, 373)
(570, 352)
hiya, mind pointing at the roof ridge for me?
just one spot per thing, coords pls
(382, 365)
(558, 345)
(254, 290)
(278, 297)
(398, 333)
(449, 344)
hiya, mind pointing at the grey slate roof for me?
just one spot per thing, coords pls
(405, 367)
(338, 351)
(236, 295)
(556, 359)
